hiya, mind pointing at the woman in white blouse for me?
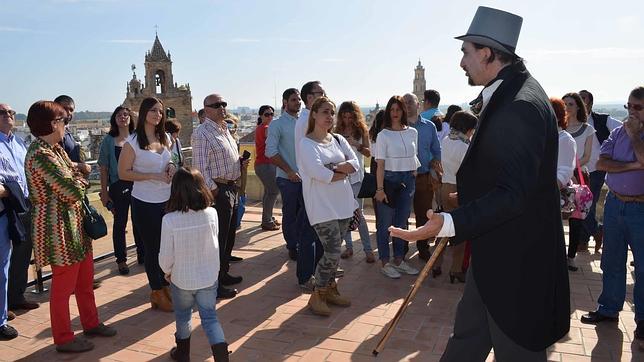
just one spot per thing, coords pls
(583, 133)
(395, 178)
(453, 149)
(351, 125)
(189, 256)
(567, 145)
(146, 160)
(327, 160)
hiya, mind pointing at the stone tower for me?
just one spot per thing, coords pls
(419, 82)
(159, 83)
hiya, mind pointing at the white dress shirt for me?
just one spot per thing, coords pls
(189, 248)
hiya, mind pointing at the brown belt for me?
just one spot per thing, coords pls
(223, 181)
(626, 198)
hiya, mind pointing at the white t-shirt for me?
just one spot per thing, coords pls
(452, 154)
(566, 157)
(301, 125)
(398, 149)
(611, 124)
(325, 200)
(189, 248)
(580, 140)
(357, 176)
(146, 161)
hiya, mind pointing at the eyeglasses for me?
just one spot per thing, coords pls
(10, 112)
(217, 105)
(635, 107)
(268, 114)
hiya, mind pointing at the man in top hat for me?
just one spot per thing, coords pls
(516, 298)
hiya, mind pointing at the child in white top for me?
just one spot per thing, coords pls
(189, 257)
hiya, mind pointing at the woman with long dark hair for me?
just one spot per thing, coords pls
(583, 134)
(264, 168)
(146, 161)
(397, 163)
(351, 125)
(116, 193)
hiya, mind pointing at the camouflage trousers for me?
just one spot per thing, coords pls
(330, 234)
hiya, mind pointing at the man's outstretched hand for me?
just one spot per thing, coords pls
(429, 230)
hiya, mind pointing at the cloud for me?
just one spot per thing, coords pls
(244, 40)
(594, 53)
(332, 60)
(128, 41)
(10, 29)
(294, 41)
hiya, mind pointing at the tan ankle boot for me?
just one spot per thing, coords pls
(159, 300)
(334, 297)
(317, 302)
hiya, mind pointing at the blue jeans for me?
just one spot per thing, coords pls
(623, 227)
(397, 216)
(183, 301)
(240, 210)
(590, 223)
(5, 257)
(363, 229)
(292, 202)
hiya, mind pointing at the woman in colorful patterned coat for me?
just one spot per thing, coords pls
(56, 191)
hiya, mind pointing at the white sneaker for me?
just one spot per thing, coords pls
(390, 271)
(405, 268)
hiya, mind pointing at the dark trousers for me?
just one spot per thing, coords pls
(423, 198)
(476, 333)
(120, 193)
(575, 234)
(590, 223)
(292, 202)
(19, 266)
(309, 247)
(226, 205)
(147, 217)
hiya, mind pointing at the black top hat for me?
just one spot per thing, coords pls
(494, 28)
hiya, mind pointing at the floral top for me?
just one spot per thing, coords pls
(56, 191)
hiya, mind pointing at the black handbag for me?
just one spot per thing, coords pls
(368, 187)
(93, 222)
(393, 190)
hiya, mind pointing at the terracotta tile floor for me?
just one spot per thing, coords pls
(269, 321)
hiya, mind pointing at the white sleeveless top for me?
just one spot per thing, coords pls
(146, 161)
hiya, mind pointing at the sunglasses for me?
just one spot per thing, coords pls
(217, 105)
(635, 107)
(10, 113)
(268, 114)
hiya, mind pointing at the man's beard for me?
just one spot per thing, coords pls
(470, 81)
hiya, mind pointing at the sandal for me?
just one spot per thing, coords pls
(77, 345)
(347, 253)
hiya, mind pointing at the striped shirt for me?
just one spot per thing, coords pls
(214, 153)
(7, 174)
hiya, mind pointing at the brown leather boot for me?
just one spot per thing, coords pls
(334, 297)
(220, 352)
(159, 300)
(317, 302)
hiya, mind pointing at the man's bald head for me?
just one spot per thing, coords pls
(7, 118)
(214, 107)
(411, 103)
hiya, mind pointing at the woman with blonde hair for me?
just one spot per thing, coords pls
(327, 161)
(351, 125)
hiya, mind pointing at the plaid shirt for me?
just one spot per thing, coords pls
(214, 153)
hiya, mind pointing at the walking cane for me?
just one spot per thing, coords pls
(412, 293)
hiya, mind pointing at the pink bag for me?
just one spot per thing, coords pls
(583, 197)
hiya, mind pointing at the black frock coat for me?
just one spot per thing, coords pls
(507, 187)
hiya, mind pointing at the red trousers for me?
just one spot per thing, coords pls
(78, 279)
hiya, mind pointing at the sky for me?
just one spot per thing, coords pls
(250, 51)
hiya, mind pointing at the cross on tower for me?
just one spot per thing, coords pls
(156, 29)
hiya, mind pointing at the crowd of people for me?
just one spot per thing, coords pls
(185, 219)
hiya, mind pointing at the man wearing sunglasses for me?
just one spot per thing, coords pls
(72, 148)
(604, 124)
(215, 155)
(622, 158)
(13, 151)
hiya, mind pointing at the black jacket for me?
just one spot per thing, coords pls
(15, 205)
(507, 187)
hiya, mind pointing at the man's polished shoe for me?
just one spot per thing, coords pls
(225, 293)
(235, 259)
(228, 279)
(594, 317)
(24, 305)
